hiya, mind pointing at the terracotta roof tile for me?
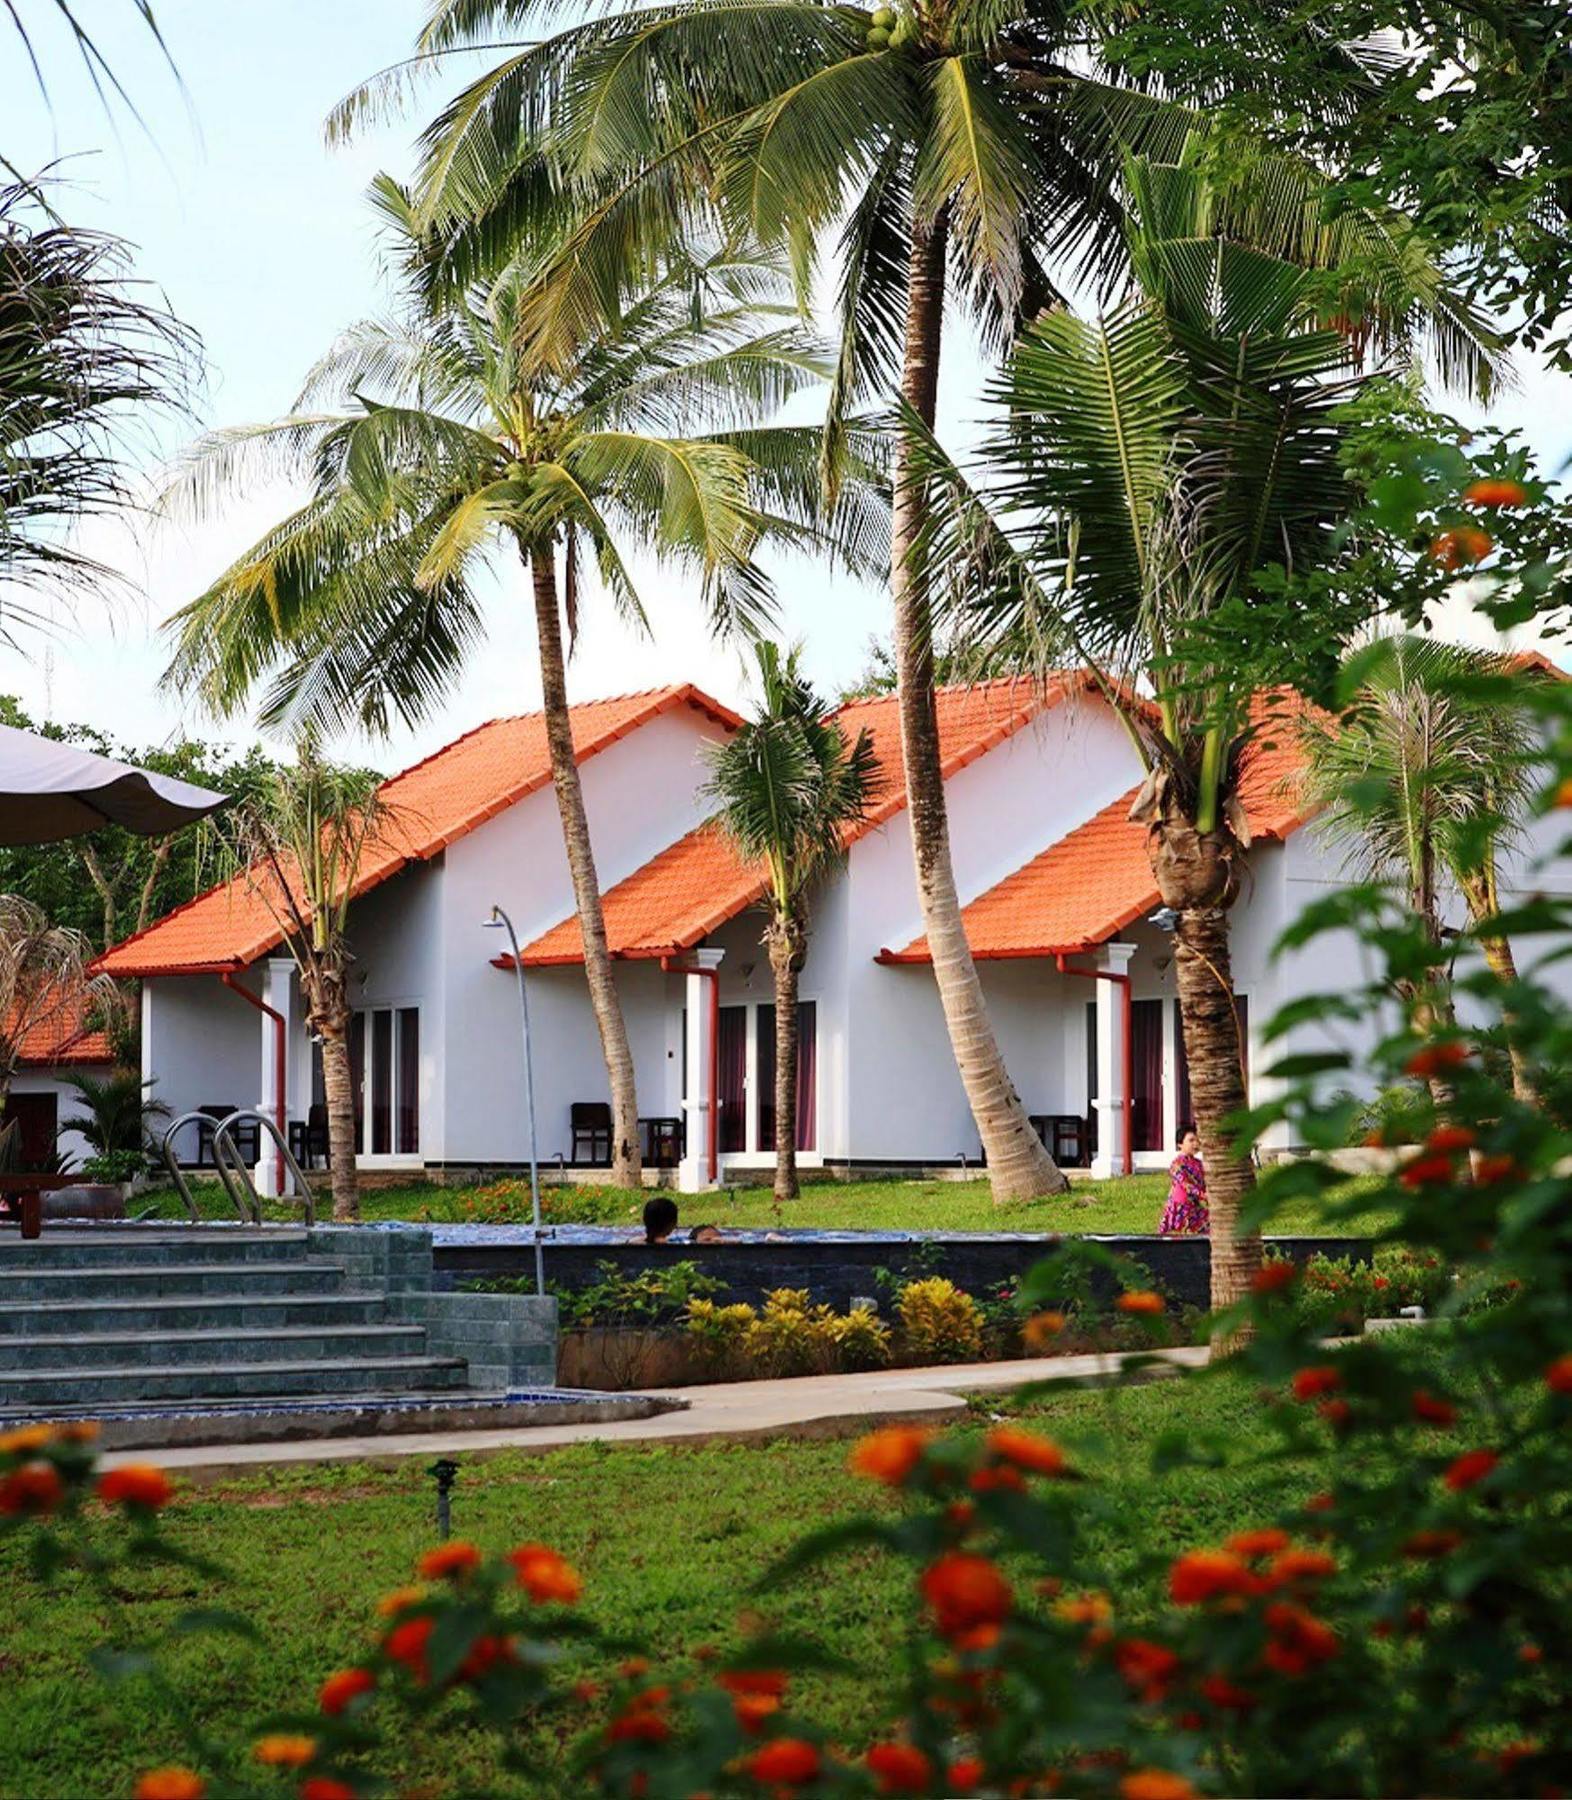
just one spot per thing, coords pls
(1091, 884)
(435, 803)
(63, 1037)
(700, 882)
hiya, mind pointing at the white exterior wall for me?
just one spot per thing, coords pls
(201, 1045)
(641, 794)
(68, 1103)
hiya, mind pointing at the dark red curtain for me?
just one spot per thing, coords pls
(732, 1125)
(1146, 1043)
(807, 1071)
(408, 1080)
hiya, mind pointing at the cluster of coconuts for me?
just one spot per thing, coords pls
(889, 29)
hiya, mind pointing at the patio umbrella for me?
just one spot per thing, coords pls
(50, 790)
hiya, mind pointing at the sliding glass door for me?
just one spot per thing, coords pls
(384, 1062)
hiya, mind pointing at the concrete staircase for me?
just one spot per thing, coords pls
(116, 1319)
(228, 1334)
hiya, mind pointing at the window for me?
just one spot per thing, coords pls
(384, 1060)
(807, 1085)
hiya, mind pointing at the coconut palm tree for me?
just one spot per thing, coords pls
(446, 445)
(1426, 777)
(1148, 464)
(960, 154)
(299, 844)
(788, 785)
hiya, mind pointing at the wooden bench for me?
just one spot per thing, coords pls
(28, 1192)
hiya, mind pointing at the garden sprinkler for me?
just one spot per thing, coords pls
(444, 1473)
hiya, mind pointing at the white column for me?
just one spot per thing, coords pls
(1109, 1160)
(278, 990)
(693, 1175)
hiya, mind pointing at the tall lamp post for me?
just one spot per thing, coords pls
(499, 921)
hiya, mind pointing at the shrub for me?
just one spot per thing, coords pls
(720, 1334)
(862, 1339)
(939, 1321)
(791, 1336)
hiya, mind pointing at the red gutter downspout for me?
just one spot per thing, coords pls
(672, 966)
(280, 1062)
(1065, 968)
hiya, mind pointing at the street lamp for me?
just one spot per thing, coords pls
(499, 921)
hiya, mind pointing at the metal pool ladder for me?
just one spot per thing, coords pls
(232, 1170)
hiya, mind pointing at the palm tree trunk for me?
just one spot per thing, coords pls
(1211, 1038)
(327, 1018)
(1496, 949)
(1018, 1165)
(787, 945)
(626, 1167)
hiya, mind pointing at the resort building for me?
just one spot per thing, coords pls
(1061, 911)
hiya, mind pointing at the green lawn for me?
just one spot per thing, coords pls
(670, 1541)
(1130, 1203)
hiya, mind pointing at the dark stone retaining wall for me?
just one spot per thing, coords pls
(836, 1270)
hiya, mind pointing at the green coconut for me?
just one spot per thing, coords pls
(878, 38)
(883, 18)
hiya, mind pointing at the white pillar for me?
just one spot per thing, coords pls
(1109, 1160)
(698, 1104)
(278, 991)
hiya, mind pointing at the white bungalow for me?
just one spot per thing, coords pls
(1059, 914)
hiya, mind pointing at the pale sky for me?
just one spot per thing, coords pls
(260, 239)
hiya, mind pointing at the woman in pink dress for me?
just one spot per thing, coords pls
(1186, 1211)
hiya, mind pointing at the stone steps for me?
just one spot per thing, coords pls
(167, 1313)
(103, 1247)
(32, 1389)
(285, 1343)
(243, 1279)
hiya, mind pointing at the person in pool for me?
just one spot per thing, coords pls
(660, 1219)
(1186, 1211)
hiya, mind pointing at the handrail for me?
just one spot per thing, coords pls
(172, 1163)
(224, 1145)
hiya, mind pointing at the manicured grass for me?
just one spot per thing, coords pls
(670, 1540)
(1130, 1203)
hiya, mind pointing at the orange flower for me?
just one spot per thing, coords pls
(1139, 1300)
(1149, 1668)
(400, 1600)
(900, 1768)
(1319, 1379)
(585, 1691)
(25, 1439)
(641, 1721)
(1490, 1169)
(342, 1687)
(984, 1481)
(285, 1750)
(752, 1710)
(170, 1783)
(1272, 1276)
(1530, 1653)
(325, 1787)
(1495, 490)
(545, 1576)
(1436, 1059)
(406, 1643)
(1290, 1566)
(964, 1774)
(1320, 1503)
(1226, 1694)
(457, 1558)
(1431, 1411)
(966, 1593)
(1266, 1541)
(1462, 545)
(483, 1656)
(1558, 1377)
(1420, 1171)
(788, 1762)
(1432, 1541)
(1452, 1137)
(1041, 1329)
(137, 1485)
(1202, 1575)
(1299, 1640)
(1154, 1784)
(1037, 1455)
(1470, 1469)
(1337, 1413)
(36, 1487)
(772, 1682)
(890, 1455)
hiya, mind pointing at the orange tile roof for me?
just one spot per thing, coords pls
(63, 1037)
(433, 804)
(700, 882)
(1094, 882)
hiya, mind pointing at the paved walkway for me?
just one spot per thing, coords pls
(812, 1406)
